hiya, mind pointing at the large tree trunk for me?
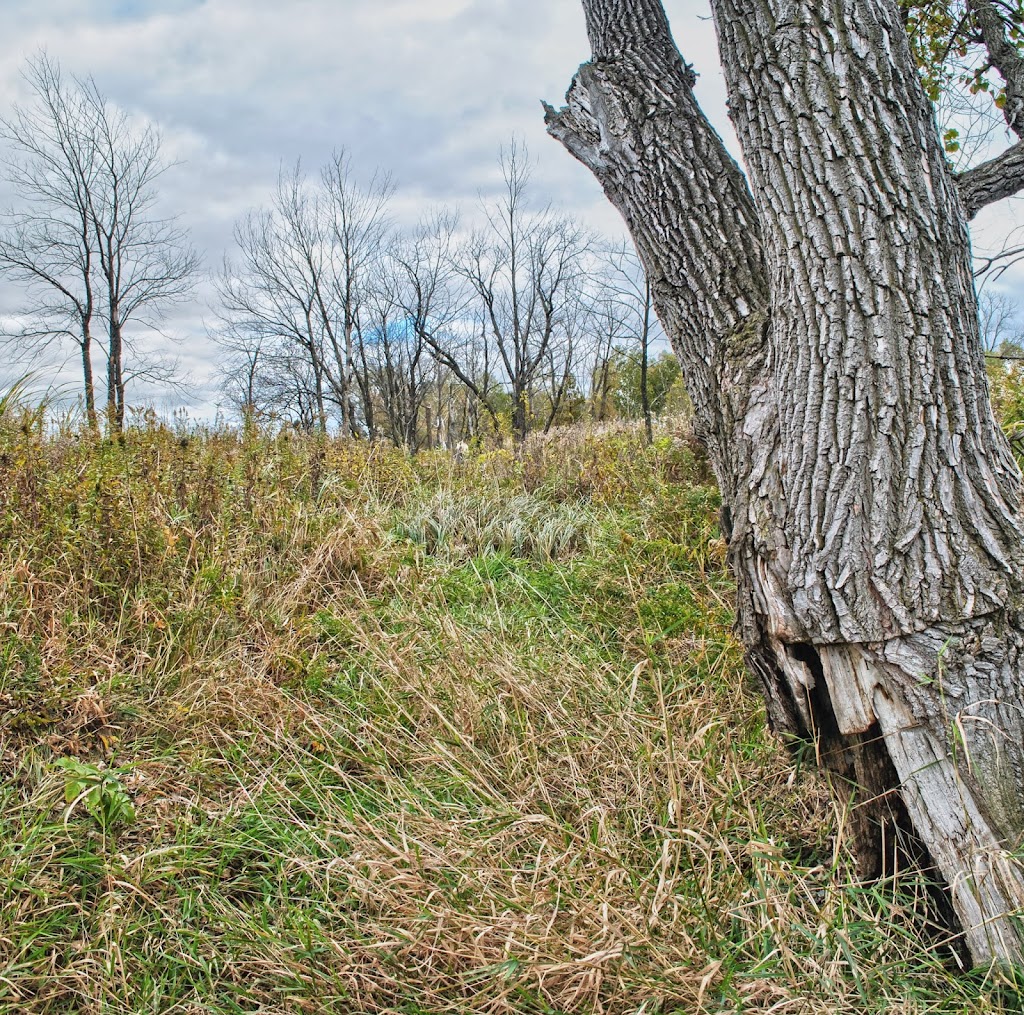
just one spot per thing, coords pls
(826, 321)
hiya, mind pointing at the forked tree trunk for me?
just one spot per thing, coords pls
(826, 321)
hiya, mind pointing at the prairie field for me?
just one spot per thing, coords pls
(297, 725)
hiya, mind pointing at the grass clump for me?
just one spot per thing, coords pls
(293, 725)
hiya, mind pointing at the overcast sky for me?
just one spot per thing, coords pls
(426, 89)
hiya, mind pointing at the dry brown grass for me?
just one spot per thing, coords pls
(380, 766)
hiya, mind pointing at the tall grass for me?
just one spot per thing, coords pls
(403, 734)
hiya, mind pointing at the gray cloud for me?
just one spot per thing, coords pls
(427, 89)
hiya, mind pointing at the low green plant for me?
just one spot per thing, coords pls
(99, 791)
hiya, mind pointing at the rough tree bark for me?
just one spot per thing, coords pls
(826, 320)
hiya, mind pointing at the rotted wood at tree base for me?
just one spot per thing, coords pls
(825, 316)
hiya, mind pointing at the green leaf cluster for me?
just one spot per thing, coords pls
(99, 791)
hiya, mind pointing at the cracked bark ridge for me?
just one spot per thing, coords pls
(826, 321)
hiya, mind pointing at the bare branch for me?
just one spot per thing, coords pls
(993, 180)
(85, 243)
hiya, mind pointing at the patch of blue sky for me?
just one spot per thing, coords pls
(136, 10)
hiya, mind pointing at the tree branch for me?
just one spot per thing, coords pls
(993, 180)
(576, 128)
(1006, 58)
(632, 103)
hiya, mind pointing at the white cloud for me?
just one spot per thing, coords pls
(428, 89)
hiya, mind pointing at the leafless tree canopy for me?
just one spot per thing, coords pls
(86, 241)
(333, 317)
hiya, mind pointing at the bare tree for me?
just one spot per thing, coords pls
(144, 259)
(277, 296)
(1002, 322)
(440, 308)
(47, 243)
(382, 320)
(826, 319)
(607, 329)
(356, 224)
(415, 303)
(300, 285)
(522, 268)
(246, 364)
(86, 240)
(558, 378)
(264, 379)
(624, 286)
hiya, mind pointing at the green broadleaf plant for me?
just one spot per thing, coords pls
(100, 791)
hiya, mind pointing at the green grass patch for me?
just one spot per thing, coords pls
(300, 727)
